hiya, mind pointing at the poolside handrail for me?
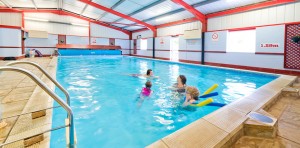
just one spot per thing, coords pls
(46, 74)
(61, 102)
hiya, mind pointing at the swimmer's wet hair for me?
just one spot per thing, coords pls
(193, 91)
(148, 84)
(183, 79)
(148, 72)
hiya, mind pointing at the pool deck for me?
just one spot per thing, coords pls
(222, 128)
(20, 95)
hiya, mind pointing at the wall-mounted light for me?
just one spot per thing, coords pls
(76, 24)
(36, 19)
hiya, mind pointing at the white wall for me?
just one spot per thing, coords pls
(178, 29)
(11, 19)
(272, 57)
(10, 42)
(99, 41)
(272, 15)
(125, 45)
(268, 34)
(56, 28)
(105, 32)
(45, 46)
(188, 48)
(81, 40)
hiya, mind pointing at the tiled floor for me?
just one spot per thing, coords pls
(20, 95)
(287, 111)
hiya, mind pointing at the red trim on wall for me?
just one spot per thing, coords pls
(242, 29)
(38, 47)
(250, 7)
(285, 45)
(9, 10)
(10, 46)
(160, 49)
(189, 61)
(215, 51)
(22, 41)
(189, 51)
(10, 27)
(108, 38)
(269, 53)
(23, 21)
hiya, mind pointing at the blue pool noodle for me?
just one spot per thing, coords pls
(216, 104)
(209, 95)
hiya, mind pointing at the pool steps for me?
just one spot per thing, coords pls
(286, 109)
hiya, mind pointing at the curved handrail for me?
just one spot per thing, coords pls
(46, 74)
(39, 82)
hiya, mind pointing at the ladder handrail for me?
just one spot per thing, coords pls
(62, 103)
(46, 74)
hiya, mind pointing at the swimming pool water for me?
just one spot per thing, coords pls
(103, 98)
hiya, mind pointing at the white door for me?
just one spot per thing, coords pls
(174, 47)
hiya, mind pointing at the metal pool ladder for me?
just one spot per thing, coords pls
(38, 81)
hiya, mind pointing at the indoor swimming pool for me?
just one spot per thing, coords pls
(104, 98)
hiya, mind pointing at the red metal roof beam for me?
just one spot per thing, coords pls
(250, 7)
(119, 14)
(200, 16)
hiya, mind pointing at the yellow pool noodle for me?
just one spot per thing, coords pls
(210, 89)
(203, 103)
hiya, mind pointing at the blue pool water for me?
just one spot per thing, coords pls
(103, 98)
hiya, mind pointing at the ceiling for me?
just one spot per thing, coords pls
(153, 12)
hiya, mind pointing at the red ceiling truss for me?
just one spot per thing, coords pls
(119, 14)
(200, 16)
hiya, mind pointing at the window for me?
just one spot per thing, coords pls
(143, 44)
(241, 41)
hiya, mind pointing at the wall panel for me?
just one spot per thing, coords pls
(10, 42)
(81, 40)
(11, 19)
(272, 15)
(101, 31)
(56, 28)
(178, 29)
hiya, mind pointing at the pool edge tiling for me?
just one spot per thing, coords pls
(227, 121)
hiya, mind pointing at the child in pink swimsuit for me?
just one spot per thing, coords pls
(146, 91)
